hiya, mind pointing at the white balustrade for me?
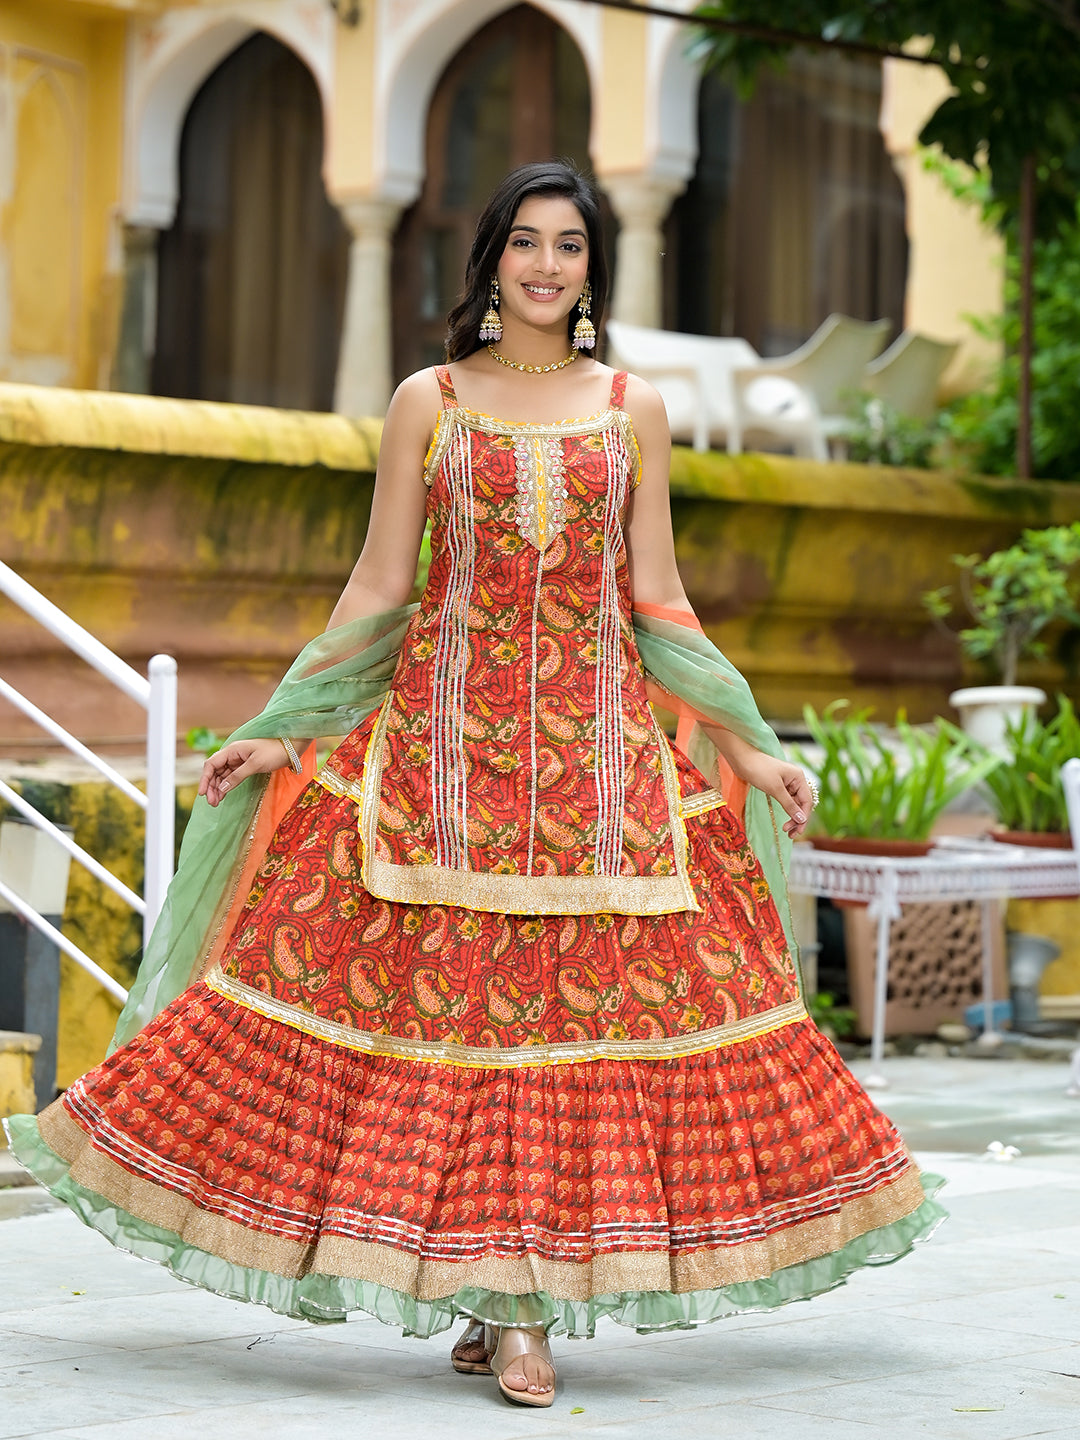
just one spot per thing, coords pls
(157, 696)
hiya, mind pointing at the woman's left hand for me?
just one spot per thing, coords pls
(783, 782)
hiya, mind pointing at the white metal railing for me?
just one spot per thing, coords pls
(157, 696)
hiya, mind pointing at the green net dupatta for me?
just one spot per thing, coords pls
(333, 685)
(685, 663)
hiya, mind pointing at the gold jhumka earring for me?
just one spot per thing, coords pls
(584, 330)
(491, 325)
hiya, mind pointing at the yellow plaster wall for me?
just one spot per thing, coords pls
(1059, 920)
(955, 262)
(618, 142)
(350, 170)
(16, 1075)
(64, 64)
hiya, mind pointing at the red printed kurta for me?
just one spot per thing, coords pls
(517, 766)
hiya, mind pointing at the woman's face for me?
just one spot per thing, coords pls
(546, 261)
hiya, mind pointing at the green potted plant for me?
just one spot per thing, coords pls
(1012, 595)
(877, 799)
(1029, 799)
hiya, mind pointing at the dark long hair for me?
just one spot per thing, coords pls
(545, 177)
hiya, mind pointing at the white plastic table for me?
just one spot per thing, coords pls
(956, 869)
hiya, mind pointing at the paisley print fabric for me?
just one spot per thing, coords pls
(274, 1148)
(454, 980)
(507, 1023)
(518, 767)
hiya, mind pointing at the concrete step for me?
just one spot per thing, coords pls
(20, 1194)
(26, 1200)
(12, 1174)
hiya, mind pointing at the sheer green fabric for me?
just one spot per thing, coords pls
(329, 1298)
(689, 665)
(335, 683)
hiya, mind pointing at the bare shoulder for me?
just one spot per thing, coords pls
(648, 417)
(415, 406)
(643, 401)
(417, 392)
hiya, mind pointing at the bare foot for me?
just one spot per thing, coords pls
(530, 1373)
(470, 1354)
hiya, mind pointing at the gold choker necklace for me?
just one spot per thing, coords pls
(531, 369)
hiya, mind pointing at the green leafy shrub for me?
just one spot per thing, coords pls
(880, 434)
(868, 790)
(203, 740)
(1013, 595)
(981, 428)
(830, 1017)
(1026, 787)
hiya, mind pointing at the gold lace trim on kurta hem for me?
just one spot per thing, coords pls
(514, 894)
(480, 1057)
(652, 1267)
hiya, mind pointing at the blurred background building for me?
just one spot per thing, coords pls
(270, 201)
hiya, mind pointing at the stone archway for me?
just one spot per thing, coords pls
(517, 90)
(415, 58)
(794, 209)
(251, 274)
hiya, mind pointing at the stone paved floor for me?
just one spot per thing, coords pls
(974, 1337)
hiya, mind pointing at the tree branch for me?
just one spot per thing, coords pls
(769, 32)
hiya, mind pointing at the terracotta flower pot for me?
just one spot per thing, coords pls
(1044, 839)
(872, 845)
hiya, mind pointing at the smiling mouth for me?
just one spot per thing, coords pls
(544, 292)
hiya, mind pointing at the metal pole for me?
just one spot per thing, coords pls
(1027, 315)
(30, 915)
(73, 636)
(988, 909)
(885, 907)
(160, 787)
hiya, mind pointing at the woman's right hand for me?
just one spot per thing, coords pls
(225, 770)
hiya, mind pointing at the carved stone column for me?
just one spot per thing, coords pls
(137, 335)
(365, 370)
(641, 203)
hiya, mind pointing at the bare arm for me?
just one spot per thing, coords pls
(655, 580)
(382, 578)
(650, 544)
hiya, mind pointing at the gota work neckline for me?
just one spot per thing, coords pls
(596, 424)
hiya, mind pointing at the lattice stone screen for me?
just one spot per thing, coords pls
(935, 960)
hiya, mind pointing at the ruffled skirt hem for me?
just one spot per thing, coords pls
(327, 1298)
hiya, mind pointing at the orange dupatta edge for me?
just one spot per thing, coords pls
(733, 789)
(283, 789)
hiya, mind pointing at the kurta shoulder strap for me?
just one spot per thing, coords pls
(618, 390)
(446, 387)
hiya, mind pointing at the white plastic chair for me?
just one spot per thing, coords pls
(906, 375)
(800, 398)
(691, 372)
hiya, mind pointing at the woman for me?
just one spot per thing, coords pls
(496, 1015)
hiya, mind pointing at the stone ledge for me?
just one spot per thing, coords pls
(877, 489)
(13, 1176)
(19, 1041)
(49, 416)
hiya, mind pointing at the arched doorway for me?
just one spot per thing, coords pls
(252, 273)
(794, 209)
(516, 91)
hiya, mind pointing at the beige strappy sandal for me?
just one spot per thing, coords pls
(510, 1343)
(475, 1334)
